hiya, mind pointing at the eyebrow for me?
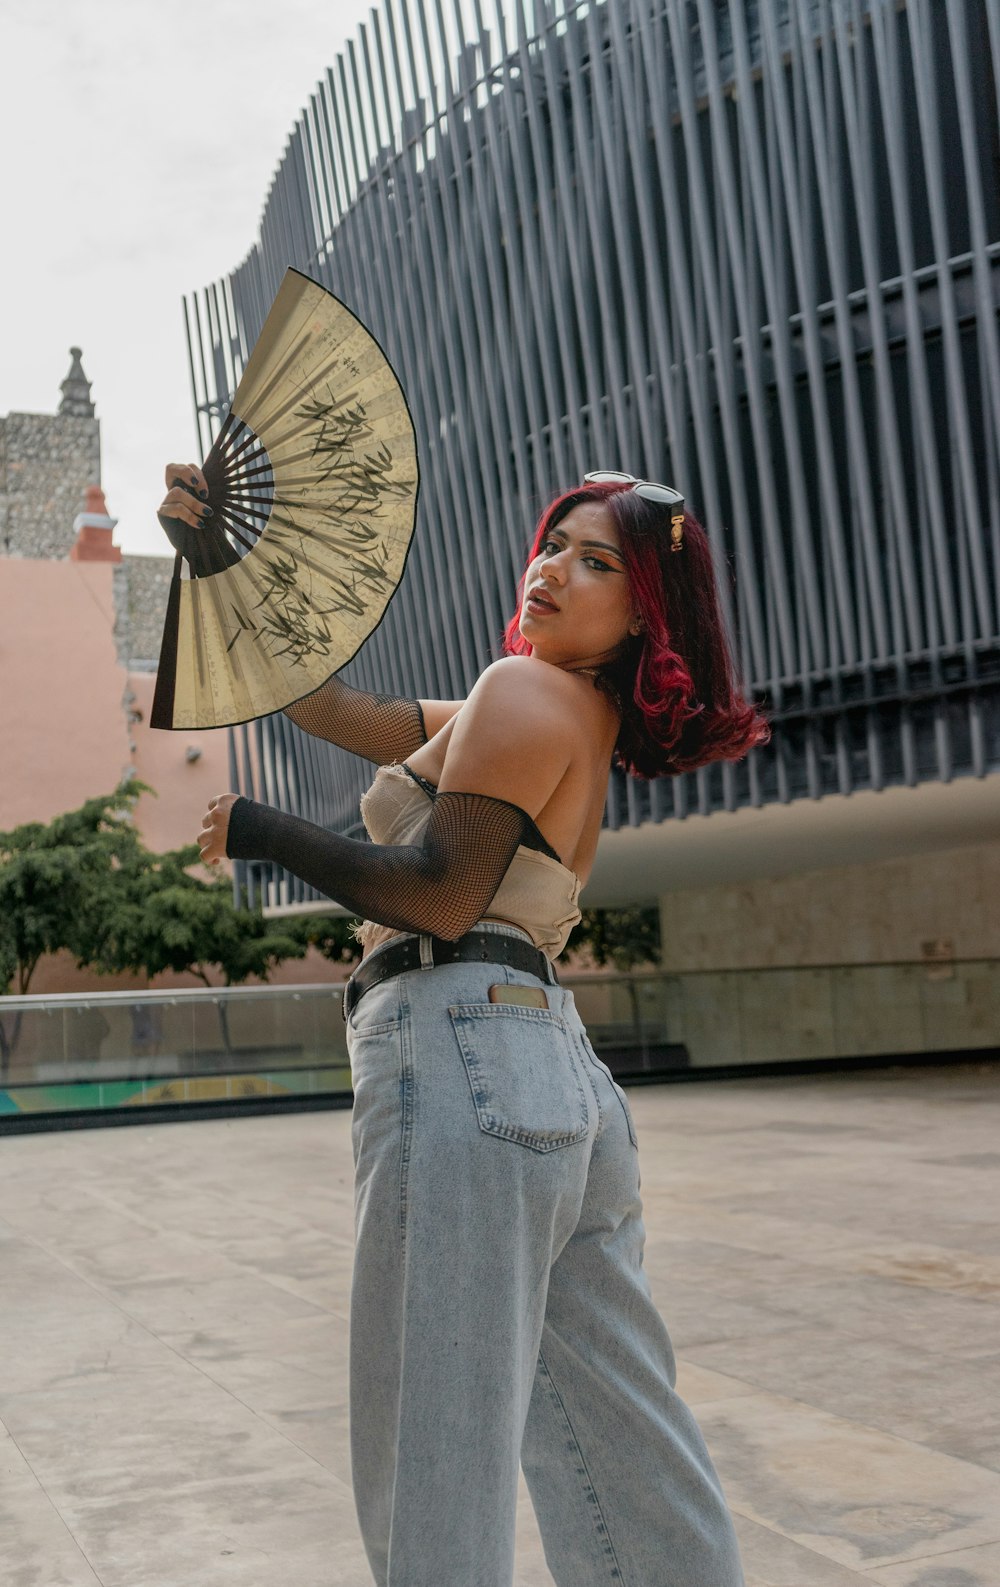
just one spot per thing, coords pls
(601, 544)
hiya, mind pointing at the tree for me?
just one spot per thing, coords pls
(87, 882)
(624, 938)
(165, 918)
(331, 934)
(52, 879)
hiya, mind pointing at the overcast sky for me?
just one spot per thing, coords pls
(139, 141)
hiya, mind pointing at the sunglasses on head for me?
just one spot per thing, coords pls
(649, 490)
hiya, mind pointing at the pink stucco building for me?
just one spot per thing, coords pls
(80, 628)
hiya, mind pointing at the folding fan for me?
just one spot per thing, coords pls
(313, 486)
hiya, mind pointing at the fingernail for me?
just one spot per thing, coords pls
(203, 494)
(194, 479)
(207, 512)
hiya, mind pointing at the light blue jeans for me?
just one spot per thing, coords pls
(500, 1312)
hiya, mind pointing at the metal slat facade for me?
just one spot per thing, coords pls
(751, 247)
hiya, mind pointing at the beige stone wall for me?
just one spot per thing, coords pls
(878, 913)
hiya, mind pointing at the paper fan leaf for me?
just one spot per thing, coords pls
(313, 484)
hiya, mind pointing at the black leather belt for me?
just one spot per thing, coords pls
(491, 947)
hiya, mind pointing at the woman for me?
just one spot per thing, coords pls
(499, 1308)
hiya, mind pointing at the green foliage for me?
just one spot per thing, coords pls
(87, 882)
(623, 938)
(331, 934)
(165, 918)
(55, 879)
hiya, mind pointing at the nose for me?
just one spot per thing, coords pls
(547, 565)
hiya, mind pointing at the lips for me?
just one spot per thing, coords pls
(542, 598)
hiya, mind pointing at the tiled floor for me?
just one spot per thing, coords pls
(825, 1251)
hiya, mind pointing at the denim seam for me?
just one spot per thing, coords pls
(618, 1091)
(590, 1082)
(502, 1011)
(591, 1490)
(406, 1100)
(381, 1029)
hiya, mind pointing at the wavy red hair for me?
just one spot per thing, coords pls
(676, 683)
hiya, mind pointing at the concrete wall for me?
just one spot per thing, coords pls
(875, 913)
(899, 921)
(74, 721)
(63, 733)
(183, 787)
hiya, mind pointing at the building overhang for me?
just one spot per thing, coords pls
(637, 865)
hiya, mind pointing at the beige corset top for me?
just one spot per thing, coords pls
(538, 893)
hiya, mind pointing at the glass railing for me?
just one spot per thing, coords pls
(126, 1049)
(114, 1050)
(757, 1017)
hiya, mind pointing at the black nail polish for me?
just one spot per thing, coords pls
(194, 479)
(207, 512)
(203, 494)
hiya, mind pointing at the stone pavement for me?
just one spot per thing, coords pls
(825, 1251)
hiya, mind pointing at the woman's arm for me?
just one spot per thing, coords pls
(444, 884)
(379, 727)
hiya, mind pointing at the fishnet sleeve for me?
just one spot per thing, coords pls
(443, 886)
(379, 727)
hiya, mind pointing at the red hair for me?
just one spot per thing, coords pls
(676, 683)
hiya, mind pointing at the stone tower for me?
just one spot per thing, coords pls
(47, 461)
(75, 388)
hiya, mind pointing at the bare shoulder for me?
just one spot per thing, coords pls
(544, 695)
(517, 733)
(531, 681)
(524, 696)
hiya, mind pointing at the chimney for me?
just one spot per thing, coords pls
(93, 529)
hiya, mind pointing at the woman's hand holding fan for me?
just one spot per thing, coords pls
(186, 500)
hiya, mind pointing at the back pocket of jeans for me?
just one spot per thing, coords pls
(525, 1084)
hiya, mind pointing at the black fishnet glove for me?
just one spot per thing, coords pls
(379, 727)
(442, 887)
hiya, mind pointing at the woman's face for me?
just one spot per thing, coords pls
(581, 569)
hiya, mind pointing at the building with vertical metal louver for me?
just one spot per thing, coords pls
(752, 248)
